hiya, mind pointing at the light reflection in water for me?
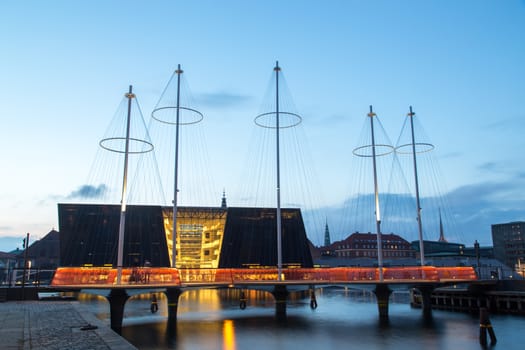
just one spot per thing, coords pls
(211, 319)
(228, 335)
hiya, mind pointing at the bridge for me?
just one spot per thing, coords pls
(173, 282)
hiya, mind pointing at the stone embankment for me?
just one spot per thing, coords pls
(55, 325)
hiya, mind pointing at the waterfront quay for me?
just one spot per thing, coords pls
(55, 325)
(498, 296)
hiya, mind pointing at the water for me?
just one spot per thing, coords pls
(211, 319)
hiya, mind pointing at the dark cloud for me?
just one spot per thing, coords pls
(520, 175)
(452, 155)
(489, 166)
(504, 124)
(223, 99)
(88, 191)
(472, 208)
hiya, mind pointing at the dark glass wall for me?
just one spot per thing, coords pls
(250, 238)
(89, 235)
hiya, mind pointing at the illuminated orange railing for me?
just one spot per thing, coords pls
(83, 276)
(80, 276)
(165, 276)
(189, 276)
(411, 273)
(456, 273)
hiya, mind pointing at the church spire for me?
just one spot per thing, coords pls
(223, 201)
(326, 235)
(441, 231)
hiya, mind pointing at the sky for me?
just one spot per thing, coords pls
(65, 66)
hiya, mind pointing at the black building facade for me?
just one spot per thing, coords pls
(206, 237)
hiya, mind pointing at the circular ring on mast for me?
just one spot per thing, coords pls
(366, 151)
(421, 147)
(293, 121)
(117, 144)
(194, 116)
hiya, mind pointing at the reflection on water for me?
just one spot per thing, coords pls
(212, 319)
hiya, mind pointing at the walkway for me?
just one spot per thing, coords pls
(98, 277)
(54, 325)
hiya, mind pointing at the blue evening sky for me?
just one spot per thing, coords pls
(65, 65)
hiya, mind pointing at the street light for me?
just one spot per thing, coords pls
(26, 248)
(476, 249)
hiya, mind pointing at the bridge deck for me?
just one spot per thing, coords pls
(163, 277)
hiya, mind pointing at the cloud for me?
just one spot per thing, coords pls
(469, 213)
(489, 166)
(452, 155)
(89, 191)
(504, 124)
(223, 99)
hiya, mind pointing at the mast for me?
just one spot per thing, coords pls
(411, 114)
(120, 248)
(376, 196)
(277, 69)
(175, 186)
(164, 112)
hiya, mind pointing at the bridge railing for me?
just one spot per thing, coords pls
(83, 276)
(456, 273)
(426, 273)
(166, 276)
(80, 276)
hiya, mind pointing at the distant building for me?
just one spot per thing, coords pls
(43, 257)
(207, 237)
(364, 245)
(509, 243)
(440, 248)
(44, 253)
(7, 263)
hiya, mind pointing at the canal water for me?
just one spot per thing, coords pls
(344, 319)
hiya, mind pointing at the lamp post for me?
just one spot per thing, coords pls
(26, 247)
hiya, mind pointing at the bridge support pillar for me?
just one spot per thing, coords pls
(280, 293)
(382, 293)
(426, 301)
(117, 299)
(172, 294)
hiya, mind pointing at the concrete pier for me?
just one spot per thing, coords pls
(382, 292)
(426, 299)
(280, 293)
(173, 294)
(117, 300)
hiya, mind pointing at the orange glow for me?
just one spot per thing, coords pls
(81, 276)
(166, 276)
(228, 335)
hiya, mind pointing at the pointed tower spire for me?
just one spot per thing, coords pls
(326, 235)
(441, 231)
(223, 202)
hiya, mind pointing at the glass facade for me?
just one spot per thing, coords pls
(509, 243)
(200, 231)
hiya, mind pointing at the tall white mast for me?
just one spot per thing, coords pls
(277, 69)
(418, 204)
(376, 196)
(176, 179)
(184, 115)
(120, 249)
